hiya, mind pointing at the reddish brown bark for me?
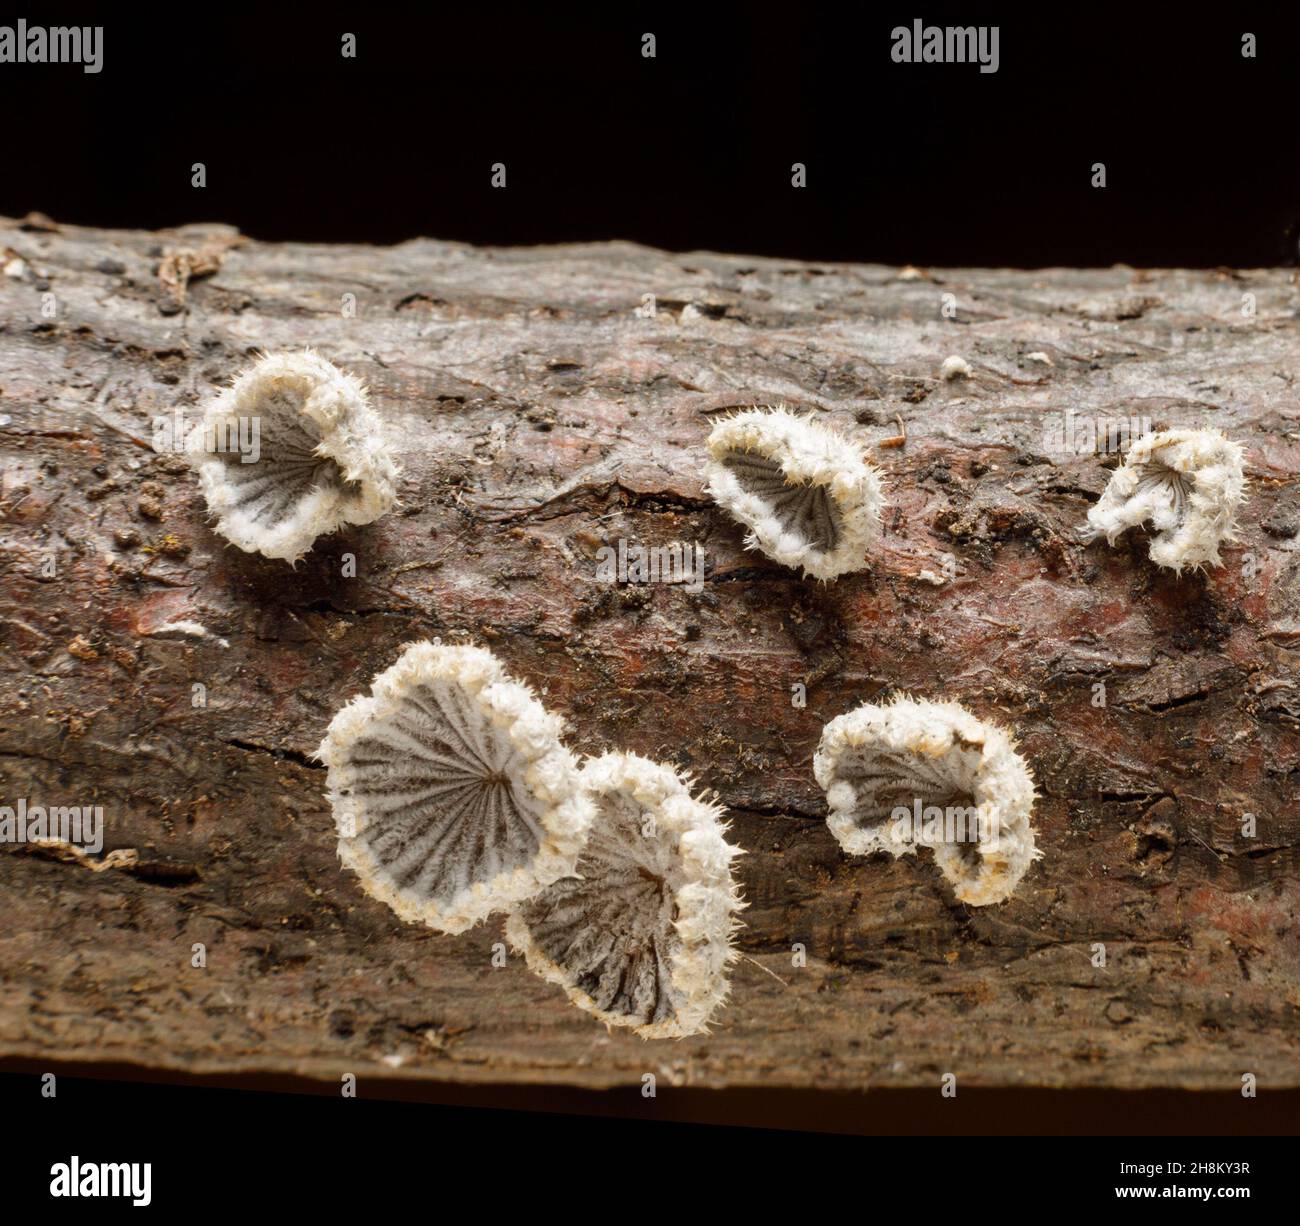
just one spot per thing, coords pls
(539, 417)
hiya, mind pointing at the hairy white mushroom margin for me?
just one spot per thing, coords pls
(641, 933)
(912, 773)
(321, 460)
(451, 790)
(807, 495)
(1188, 484)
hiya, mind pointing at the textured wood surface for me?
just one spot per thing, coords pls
(540, 417)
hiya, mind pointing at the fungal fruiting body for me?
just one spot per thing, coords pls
(320, 460)
(912, 773)
(954, 367)
(640, 934)
(452, 792)
(1187, 484)
(808, 497)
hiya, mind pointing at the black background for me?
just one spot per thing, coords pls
(222, 1152)
(929, 164)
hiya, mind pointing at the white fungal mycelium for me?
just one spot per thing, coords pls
(451, 790)
(807, 495)
(955, 367)
(317, 460)
(640, 934)
(1187, 484)
(912, 773)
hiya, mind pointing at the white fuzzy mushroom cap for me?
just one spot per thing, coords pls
(641, 934)
(955, 367)
(451, 790)
(323, 459)
(1187, 484)
(886, 757)
(809, 498)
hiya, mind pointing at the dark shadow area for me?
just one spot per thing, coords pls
(883, 1112)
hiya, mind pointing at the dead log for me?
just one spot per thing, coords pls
(547, 406)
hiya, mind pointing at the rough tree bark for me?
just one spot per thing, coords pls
(540, 417)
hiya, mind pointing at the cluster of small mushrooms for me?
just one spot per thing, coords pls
(455, 797)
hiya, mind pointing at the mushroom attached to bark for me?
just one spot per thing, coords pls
(451, 790)
(640, 933)
(320, 459)
(807, 495)
(1187, 484)
(912, 773)
(955, 367)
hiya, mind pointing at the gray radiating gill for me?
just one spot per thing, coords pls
(438, 788)
(806, 494)
(886, 782)
(310, 456)
(612, 923)
(1169, 485)
(640, 933)
(289, 468)
(1185, 486)
(804, 510)
(453, 794)
(911, 773)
